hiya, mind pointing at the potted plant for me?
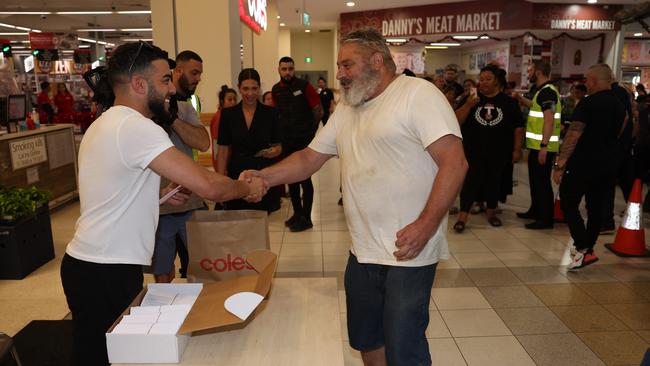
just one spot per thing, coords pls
(25, 231)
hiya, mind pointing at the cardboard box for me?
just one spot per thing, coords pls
(208, 314)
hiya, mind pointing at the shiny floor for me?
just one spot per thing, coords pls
(503, 298)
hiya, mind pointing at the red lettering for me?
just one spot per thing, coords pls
(227, 264)
(205, 264)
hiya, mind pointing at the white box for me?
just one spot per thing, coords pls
(150, 348)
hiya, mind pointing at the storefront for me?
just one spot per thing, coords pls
(511, 33)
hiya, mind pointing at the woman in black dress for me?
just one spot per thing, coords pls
(491, 139)
(249, 138)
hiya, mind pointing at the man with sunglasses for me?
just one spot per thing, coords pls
(121, 158)
(187, 133)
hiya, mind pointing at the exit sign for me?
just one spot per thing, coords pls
(308, 60)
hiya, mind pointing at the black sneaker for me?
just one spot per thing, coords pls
(539, 225)
(292, 220)
(301, 224)
(525, 215)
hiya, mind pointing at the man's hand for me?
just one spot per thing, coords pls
(248, 175)
(412, 239)
(516, 155)
(179, 198)
(258, 189)
(557, 176)
(541, 157)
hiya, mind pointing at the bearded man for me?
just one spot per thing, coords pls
(402, 166)
(186, 132)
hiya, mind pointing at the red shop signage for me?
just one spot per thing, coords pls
(42, 40)
(482, 17)
(254, 14)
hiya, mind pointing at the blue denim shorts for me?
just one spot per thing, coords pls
(389, 306)
(164, 252)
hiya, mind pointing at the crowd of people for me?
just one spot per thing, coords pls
(407, 148)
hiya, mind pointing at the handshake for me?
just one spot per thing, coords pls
(256, 183)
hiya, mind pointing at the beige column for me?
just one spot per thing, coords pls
(261, 50)
(210, 28)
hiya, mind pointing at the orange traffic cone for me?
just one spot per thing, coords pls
(558, 215)
(630, 237)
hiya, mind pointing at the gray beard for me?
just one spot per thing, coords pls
(361, 89)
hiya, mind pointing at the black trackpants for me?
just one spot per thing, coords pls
(541, 191)
(483, 181)
(97, 294)
(592, 184)
(301, 203)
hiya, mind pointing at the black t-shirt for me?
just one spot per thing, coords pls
(547, 98)
(490, 125)
(625, 140)
(245, 143)
(326, 97)
(603, 114)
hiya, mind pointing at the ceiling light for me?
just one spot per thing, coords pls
(485, 37)
(18, 47)
(82, 12)
(13, 34)
(19, 41)
(592, 1)
(67, 51)
(436, 47)
(137, 39)
(307, 30)
(23, 28)
(37, 30)
(278, 17)
(465, 37)
(396, 40)
(135, 12)
(25, 12)
(350, 3)
(97, 30)
(445, 44)
(7, 25)
(282, 24)
(84, 46)
(93, 41)
(638, 34)
(135, 29)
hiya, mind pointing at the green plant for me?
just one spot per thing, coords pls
(16, 203)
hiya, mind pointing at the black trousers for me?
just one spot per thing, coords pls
(301, 203)
(624, 168)
(483, 182)
(541, 191)
(591, 184)
(97, 294)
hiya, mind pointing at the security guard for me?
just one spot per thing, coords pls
(543, 141)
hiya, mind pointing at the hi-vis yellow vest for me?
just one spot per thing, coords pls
(535, 124)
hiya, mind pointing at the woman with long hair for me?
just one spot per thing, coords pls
(491, 140)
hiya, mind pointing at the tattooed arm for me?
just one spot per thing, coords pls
(568, 146)
(570, 141)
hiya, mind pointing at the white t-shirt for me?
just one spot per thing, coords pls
(386, 172)
(118, 193)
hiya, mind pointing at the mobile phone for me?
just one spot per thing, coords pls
(472, 91)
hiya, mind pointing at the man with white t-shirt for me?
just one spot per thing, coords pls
(121, 158)
(402, 165)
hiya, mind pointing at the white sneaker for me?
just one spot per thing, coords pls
(572, 250)
(576, 261)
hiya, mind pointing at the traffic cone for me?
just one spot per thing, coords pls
(630, 237)
(558, 215)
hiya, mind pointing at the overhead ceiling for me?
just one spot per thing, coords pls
(324, 14)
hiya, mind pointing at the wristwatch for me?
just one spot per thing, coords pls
(541, 145)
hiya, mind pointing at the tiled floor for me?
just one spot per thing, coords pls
(503, 297)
